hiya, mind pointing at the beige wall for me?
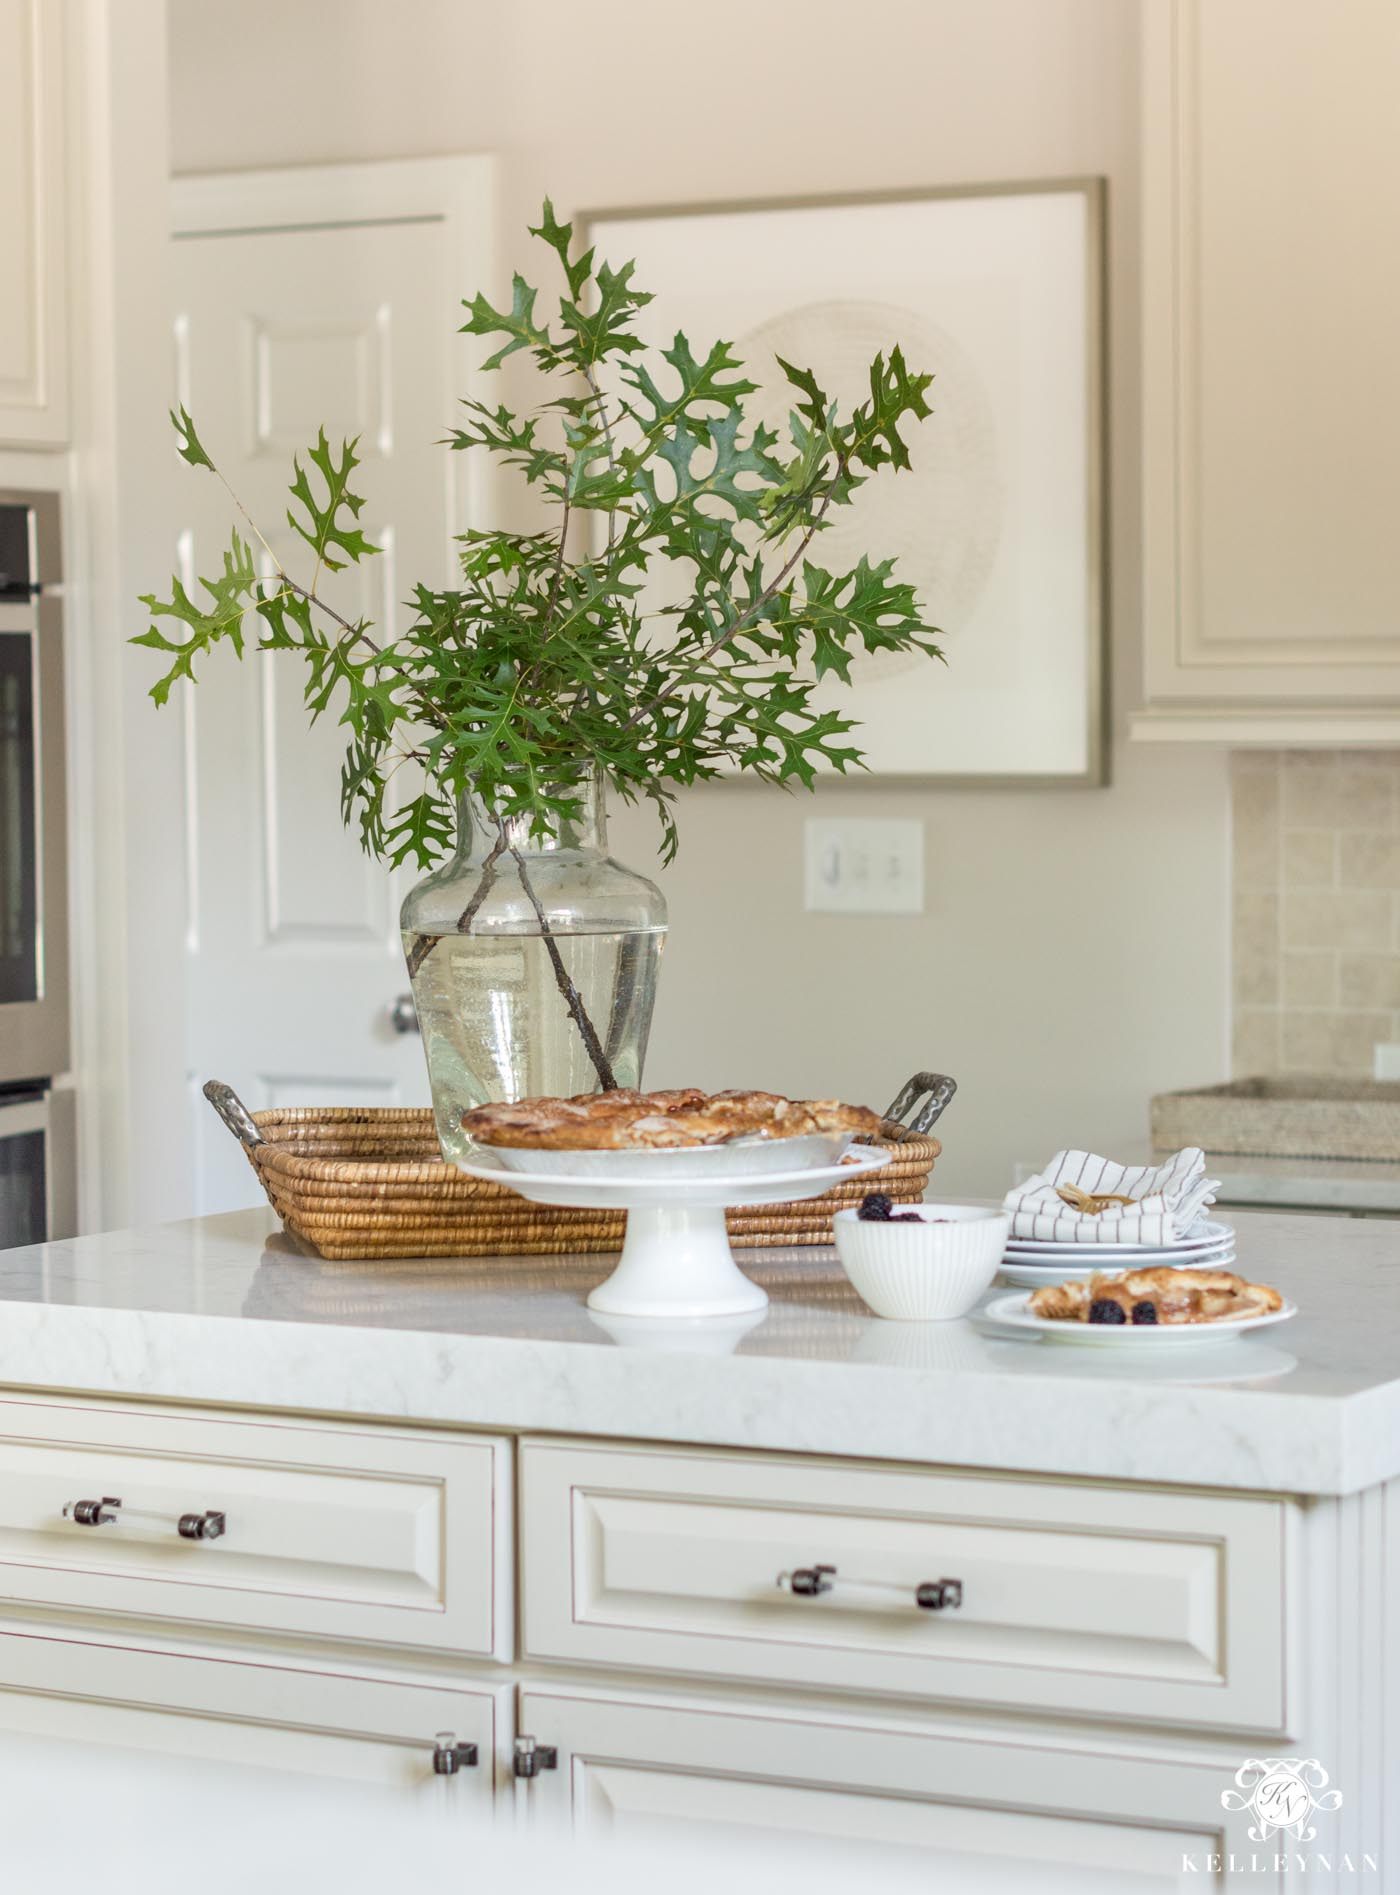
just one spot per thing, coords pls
(1073, 958)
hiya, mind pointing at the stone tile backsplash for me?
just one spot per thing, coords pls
(1316, 923)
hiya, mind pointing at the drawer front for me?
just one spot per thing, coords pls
(384, 1536)
(1105, 1601)
(995, 1812)
(220, 1728)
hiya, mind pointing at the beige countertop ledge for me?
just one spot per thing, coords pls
(223, 1310)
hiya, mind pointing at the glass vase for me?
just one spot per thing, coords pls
(533, 972)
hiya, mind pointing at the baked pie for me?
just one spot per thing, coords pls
(626, 1120)
(1162, 1294)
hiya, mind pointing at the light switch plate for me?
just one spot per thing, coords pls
(860, 867)
(1387, 1060)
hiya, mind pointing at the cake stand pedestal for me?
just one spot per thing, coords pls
(676, 1261)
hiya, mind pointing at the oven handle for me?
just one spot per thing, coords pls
(29, 1114)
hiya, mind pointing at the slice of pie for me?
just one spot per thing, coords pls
(1162, 1294)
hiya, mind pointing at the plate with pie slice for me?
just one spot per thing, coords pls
(1163, 1307)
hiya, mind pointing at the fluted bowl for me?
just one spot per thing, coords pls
(929, 1271)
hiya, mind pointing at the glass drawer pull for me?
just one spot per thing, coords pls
(932, 1595)
(209, 1525)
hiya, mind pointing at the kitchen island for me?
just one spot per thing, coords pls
(926, 1584)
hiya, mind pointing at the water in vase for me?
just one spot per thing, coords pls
(495, 1025)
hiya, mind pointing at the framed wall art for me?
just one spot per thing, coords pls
(998, 290)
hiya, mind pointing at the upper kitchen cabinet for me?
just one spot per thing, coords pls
(33, 369)
(1271, 372)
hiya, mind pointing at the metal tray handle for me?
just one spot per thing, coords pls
(233, 1112)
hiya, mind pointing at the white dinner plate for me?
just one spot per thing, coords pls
(1033, 1275)
(1119, 1259)
(1203, 1235)
(1013, 1312)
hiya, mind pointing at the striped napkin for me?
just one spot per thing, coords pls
(1167, 1200)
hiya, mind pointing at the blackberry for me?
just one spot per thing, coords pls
(905, 1217)
(1144, 1312)
(1105, 1310)
(875, 1208)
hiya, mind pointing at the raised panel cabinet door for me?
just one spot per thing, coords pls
(206, 1716)
(1271, 381)
(33, 337)
(1038, 1814)
(1147, 1604)
(394, 1537)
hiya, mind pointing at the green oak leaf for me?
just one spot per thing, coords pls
(323, 528)
(191, 448)
(230, 595)
(518, 325)
(559, 237)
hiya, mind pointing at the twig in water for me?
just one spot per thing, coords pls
(572, 998)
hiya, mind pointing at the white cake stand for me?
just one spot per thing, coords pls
(676, 1260)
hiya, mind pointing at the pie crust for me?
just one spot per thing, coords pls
(1175, 1296)
(629, 1120)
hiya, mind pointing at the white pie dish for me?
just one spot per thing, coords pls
(1013, 1312)
(609, 1191)
(930, 1271)
(737, 1157)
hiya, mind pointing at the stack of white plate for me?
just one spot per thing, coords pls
(1031, 1261)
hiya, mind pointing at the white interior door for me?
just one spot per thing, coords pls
(308, 299)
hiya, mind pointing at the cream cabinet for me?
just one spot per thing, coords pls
(993, 1670)
(1066, 1813)
(1271, 381)
(33, 293)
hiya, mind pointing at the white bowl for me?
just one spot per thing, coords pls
(931, 1271)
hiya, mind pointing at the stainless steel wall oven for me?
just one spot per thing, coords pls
(36, 1126)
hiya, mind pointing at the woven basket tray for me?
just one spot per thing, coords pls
(369, 1182)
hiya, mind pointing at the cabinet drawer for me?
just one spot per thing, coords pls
(240, 1732)
(389, 1537)
(1120, 1602)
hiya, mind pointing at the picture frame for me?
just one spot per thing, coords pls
(999, 289)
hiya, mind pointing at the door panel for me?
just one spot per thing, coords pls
(286, 323)
(1020, 1812)
(33, 367)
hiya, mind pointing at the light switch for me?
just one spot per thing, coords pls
(858, 867)
(1387, 1060)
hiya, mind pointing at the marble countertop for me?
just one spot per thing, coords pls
(1363, 1185)
(225, 1310)
(1325, 1184)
